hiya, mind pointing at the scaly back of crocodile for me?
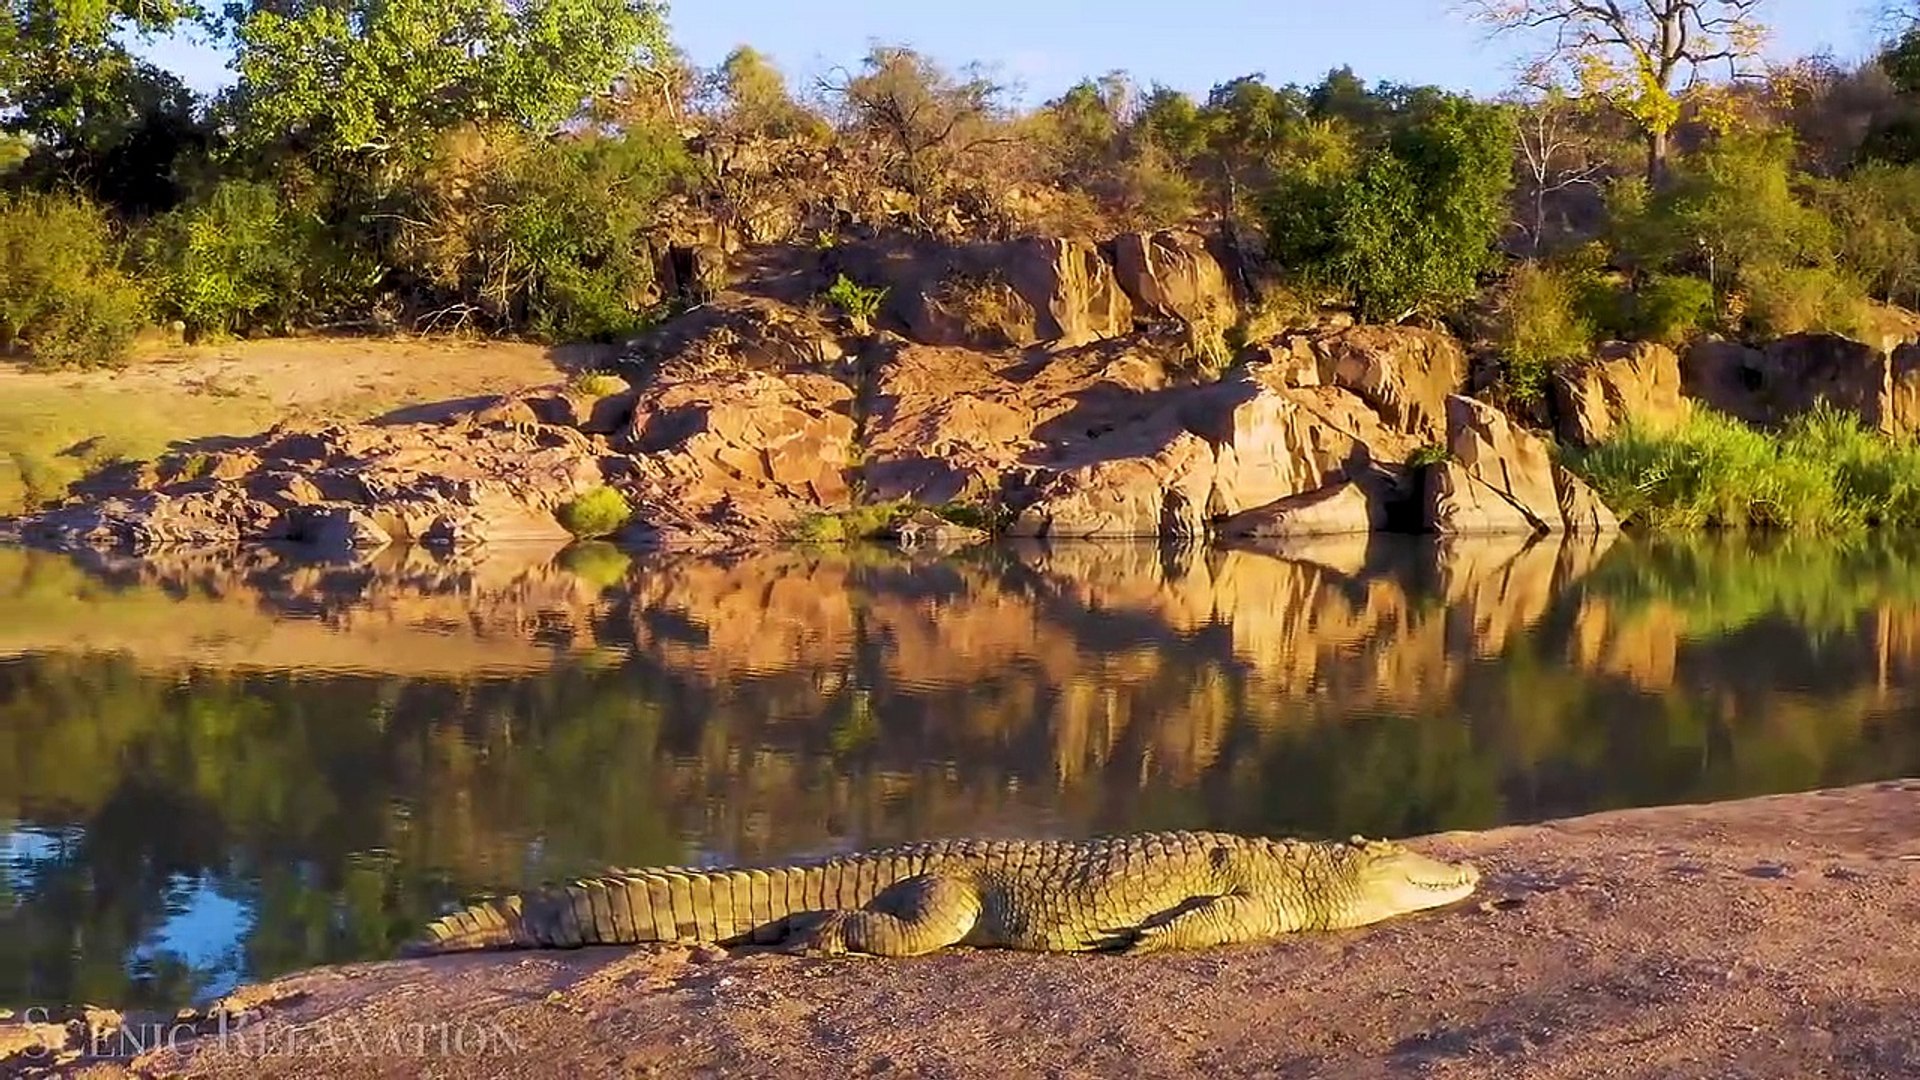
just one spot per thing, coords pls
(1173, 889)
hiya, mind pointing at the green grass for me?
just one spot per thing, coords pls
(1824, 473)
(52, 435)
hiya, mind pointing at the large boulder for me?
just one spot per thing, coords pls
(1405, 373)
(1499, 477)
(1580, 506)
(1151, 480)
(1904, 391)
(1626, 381)
(1014, 294)
(1365, 504)
(1071, 289)
(747, 454)
(1173, 274)
(1202, 454)
(1771, 385)
(1275, 442)
(1458, 503)
(1490, 449)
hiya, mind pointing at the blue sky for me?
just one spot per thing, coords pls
(1046, 45)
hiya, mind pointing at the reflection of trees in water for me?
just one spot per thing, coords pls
(788, 702)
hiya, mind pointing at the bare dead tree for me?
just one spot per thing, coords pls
(1555, 156)
(926, 118)
(1640, 56)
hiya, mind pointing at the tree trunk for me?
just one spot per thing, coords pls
(1656, 158)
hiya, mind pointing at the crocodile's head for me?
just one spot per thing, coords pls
(1392, 880)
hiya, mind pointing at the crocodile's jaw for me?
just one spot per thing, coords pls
(1393, 881)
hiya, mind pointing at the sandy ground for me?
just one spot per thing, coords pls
(326, 373)
(1769, 937)
(57, 427)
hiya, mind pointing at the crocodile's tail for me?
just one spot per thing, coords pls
(683, 905)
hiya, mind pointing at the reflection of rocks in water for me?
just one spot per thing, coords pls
(403, 610)
(1641, 648)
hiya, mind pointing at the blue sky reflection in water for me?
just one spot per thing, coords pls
(251, 766)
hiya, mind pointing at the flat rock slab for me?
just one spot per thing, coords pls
(1767, 937)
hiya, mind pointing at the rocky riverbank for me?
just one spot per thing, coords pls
(1766, 937)
(1049, 388)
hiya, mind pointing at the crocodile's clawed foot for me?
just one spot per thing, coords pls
(1148, 939)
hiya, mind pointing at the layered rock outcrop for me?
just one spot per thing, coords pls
(1174, 275)
(496, 475)
(1637, 382)
(1770, 385)
(750, 413)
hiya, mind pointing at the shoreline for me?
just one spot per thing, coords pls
(1769, 936)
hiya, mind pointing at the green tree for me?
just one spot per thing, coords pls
(1876, 227)
(754, 96)
(926, 121)
(1736, 205)
(388, 76)
(1639, 58)
(97, 120)
(1405, 227)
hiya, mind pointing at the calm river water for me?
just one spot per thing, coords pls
(220, 766)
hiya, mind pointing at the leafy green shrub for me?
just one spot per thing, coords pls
(64, 299)
(1825, 473)
(1405, 227)
(1736, 204)
(860, 303)
(229, 263)
(596, 513)
(1784, 300)
(548, 236)
(1876, 217)
(858, 523)
(1671, 308)
(1538, 328)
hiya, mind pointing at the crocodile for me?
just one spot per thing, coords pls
(1139, 893)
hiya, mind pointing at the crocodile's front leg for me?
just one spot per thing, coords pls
(1222, 920)
(915, 915)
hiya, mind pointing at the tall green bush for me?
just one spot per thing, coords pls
(229, 263)
(547, 236)
(1411, 224)
(65, 301)
(1539, 327)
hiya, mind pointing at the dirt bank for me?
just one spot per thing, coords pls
(1769, 937)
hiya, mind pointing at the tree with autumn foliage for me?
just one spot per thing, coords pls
(1641, 57)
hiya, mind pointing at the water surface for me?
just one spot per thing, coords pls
(221, 766)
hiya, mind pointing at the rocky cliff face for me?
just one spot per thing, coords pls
(1032, 379)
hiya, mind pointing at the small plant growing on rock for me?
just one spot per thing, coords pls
(859, 303)
(596, 384)
(596, 513)
(1430, 454)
